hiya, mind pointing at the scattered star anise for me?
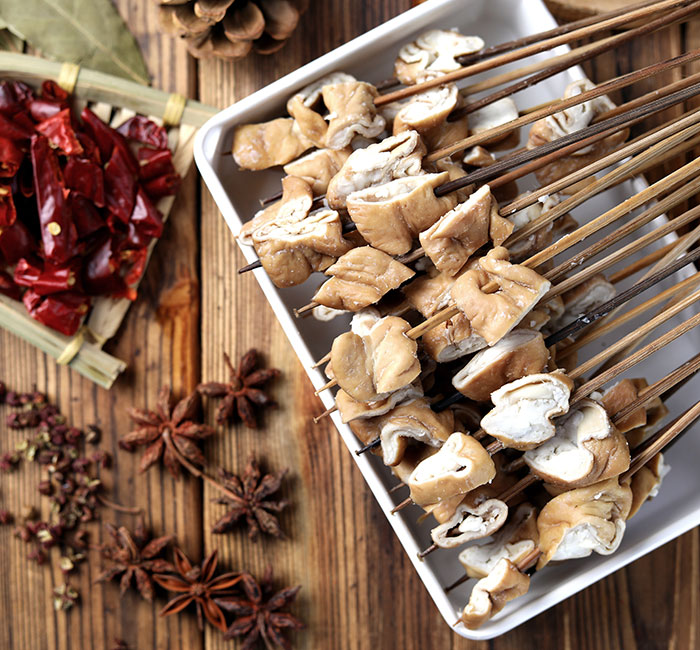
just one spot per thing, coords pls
(249, 498)
(170, 432)
(242, 392)
(135, 558)
(198, 585)
(258, 614)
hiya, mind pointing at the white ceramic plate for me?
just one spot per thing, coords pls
(370, 57)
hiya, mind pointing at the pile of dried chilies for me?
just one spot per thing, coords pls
(77, 203)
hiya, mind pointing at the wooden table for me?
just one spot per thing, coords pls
(359, 590)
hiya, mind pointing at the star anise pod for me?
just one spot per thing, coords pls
(170, 432)
(242, 393)
(199, 585)
(258, 615)
(135, 557)
(247, 497)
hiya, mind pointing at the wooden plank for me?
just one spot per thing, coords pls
(160, 341)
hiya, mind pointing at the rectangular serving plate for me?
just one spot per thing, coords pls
(236, 192)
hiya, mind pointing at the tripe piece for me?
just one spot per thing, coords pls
(493, 315)
(514, 542)
(264, 145)
(394, 157)
(516, 355)
(433, 54)
(460, 465)
(318, 167)
(457, 235)
(390, 216)
(646, 482)
(582, 521)
(427, 110)
(491, 594)
(522, 415)
(586, 448)
(380, 361)
(351, 112)
(360, 278)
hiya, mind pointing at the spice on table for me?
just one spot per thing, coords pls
(135, 557)
(243, 392)
(258, 612)
(64, 597)
(169, 432)
(250, 500)
(199, 585)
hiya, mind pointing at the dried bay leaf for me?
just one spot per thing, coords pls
(89, 32)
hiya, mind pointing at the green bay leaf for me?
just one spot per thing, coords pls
(88, 32)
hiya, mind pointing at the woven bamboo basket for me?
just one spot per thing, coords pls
(114, 100)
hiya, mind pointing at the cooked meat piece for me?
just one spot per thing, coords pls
(446, 134)
(478, 158)
(427, 110)
(646, 482)
(537, 241)
(291, 251)
(460, 465)
(414, 455)
(360, 278)
(581, 299)
(491, 116)
(390, 216)
(394, 157)
(326, 314)
(493, 315)
(619, 396)
(433, 54)
(351, 112)
(523, 411)
(264, 145)
(413, 420)
(454, 338)
(516, 355)
(569, 121)
(457, 235)
(302, 107)
(472, 519)
(351, 409)
(580, 521)
(293, 207)
(491, 594)
(656, 411)
(586, 448)
(467, 416)
(318, 167)
(382, 361)
(514, 542)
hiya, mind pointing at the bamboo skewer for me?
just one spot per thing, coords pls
(550, 43)
(612, 325)
(621, 253)
(598, 91)
(641, 263)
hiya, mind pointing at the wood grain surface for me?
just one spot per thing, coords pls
(359, 589)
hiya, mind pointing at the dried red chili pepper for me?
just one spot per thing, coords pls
(8, 212)
(165, 185)
(145, 131)
(58, 232)
(85, 177)
(15, 128)
(8, 98)
(8, 287)
(137, 258)
(62, 312)
(60, 132)
(16, 242)
(101, 271)
(146, 218)
(155, 162)
(90, 150)
(53, 92)
(10, 158)
(120, 185)
(85, 215)
(107, 139)
(49, 279)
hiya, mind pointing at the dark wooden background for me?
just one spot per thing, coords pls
(359, 590)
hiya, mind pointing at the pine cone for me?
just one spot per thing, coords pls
(230, 29)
